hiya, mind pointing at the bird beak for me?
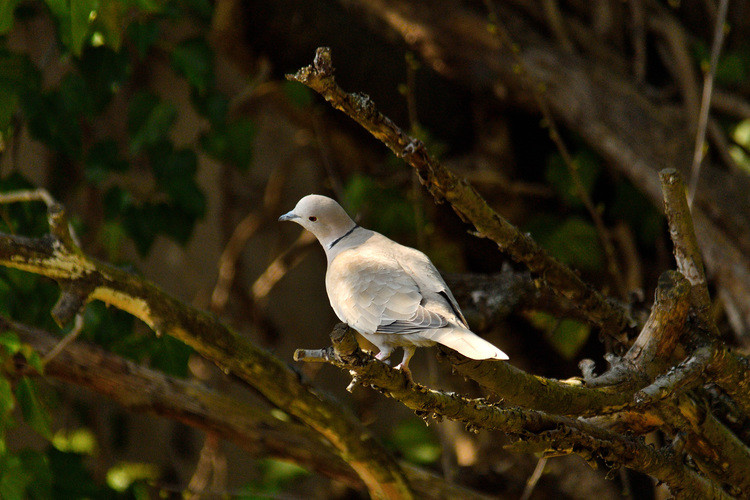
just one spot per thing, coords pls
(288, 216)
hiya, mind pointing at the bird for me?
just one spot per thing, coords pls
(390, 293)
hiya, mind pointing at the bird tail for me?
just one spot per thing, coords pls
(467, 343)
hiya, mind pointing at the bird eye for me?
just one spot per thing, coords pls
(312, 218)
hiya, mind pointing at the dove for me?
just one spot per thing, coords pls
(390, 293)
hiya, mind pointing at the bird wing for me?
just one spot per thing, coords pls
(371, 292)
(437, 295)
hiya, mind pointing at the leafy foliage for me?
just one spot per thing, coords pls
(105, 50)
(416, 442)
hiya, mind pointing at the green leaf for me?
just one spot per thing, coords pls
(630, 205)
(150, 6)
(8, 106)
(569, 337)
(143, 35)
(213, 105)
(17, 76)
(240, 134)
(61, 10)
(110, 328)
(149, 120)
(6, 15)
(232, 143)
(104, 71)
(71, 479)
(123, 475)
(13, 478)
(573, 241)
(37, 466)
(416, 442)
(102, 159)
(17, 73)
(559, 177)
(298, 94)
(7, 401)
(34, 412)
(32, 358)
(76, 95)
(10, 342)
(28, 298)
(275, 475)
(395, 212)
(7, 405)
(52, 121)
(81, 441)
(170, 356)
(202, 8)
(566, 336)
(143, 224)
(175, 172)
(81, 12)
(118, 202)
(732, 69)
(194, 59)
(112, 236)
(110, 22)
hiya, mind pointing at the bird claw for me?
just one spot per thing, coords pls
(405, 368)
(353, 383)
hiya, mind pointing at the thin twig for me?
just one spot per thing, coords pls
(613, 268)
(245, 230)
(276, 270)
(534, 478)
(65, 341)
(444, 185)
(39, 194)
(206, 470)
(708, 84)
(411, 105)
(228, 260)
(638, 39)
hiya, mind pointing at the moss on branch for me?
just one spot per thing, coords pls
(83, 278)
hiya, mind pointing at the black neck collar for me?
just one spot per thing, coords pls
(334, 242)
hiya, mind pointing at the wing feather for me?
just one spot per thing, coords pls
(377, 288)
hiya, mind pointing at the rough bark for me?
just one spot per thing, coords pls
(605, 106)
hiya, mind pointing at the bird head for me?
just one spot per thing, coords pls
(322, 216)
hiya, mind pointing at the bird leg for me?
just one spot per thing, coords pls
(408, 353)
(383, 355)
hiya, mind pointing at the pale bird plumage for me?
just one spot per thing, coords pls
(391, 294)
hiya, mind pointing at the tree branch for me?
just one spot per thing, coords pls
(633, 133)
(686, 250)
(57, 257)
(550, 433)
(143, 390)
(465, 200)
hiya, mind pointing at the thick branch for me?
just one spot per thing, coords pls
(686, 250)
(657, 346)
(141, 389)
(465, 200)
(731, 372)
(608, 110)
(652, 353)
(555, 434)
(50, 257)
(714, 448)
